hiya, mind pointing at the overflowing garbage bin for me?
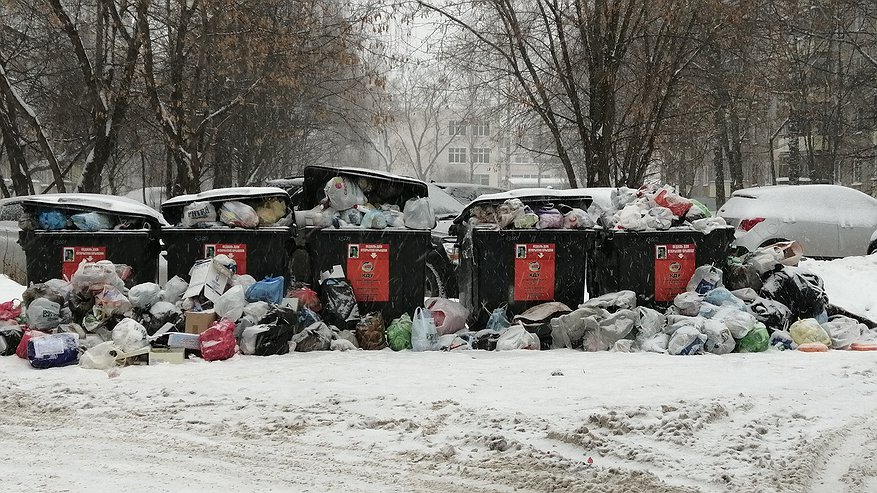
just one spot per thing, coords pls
(250, 225)
(361, 231)
(523, 248)
(61, 231)
(656, 265)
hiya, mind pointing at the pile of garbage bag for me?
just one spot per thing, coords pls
(250, 214)
(53, 219)
(657, 207)
(366, 203)
(518, 214)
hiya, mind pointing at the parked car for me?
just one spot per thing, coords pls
(12, 260)
(828, 220)
(467, 192)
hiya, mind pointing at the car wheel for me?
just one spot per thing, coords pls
(435, 287)
(873, 247)
(771, 241)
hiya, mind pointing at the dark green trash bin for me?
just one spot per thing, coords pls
(656, 265)
(56, 254)
(386, 267)
(260, 252)
(522, 268)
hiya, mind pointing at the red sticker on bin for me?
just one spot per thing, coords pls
(674, 266)
(72, 256)
(368, 268)
(534, 272)
(234, 251)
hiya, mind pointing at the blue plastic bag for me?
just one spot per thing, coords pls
(52, 219)
(721, 296)
(498, 320)
(269, 290)
(92, 221)
(53, 350)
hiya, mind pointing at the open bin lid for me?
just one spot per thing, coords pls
(572, 198)
(172, 209)
(403, 188)
(92, 202)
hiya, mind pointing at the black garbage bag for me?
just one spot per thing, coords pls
(80, 303)
(275, 340)
(10, 337)
(40, 291)
(281, 315)
(799, 289)
(316, 337)
(281, 324)
(773, 314)
(339, 304)
(485, 339)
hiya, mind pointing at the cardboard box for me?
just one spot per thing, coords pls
(198, 322)
(207, 277)
(181, 340)
(167, 355)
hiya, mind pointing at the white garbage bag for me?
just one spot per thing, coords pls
(418, 214)
(517, 337)
(719, 339)
(844, 331)
(686, 341)
(231, 304)
(100, 357)
(129, 335)
(144, 295)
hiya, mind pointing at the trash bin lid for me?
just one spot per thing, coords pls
(317, 176)
(88, 202)
(172, 209)
(572, 198)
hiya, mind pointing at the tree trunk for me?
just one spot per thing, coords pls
(794, 148)
(718, 161)
(21, 179)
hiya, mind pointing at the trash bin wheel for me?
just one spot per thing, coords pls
(435, 286)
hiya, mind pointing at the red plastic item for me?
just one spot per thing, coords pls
(677, 205)
(748, 224)
(21, 350)
(9, 311)
(813, 347)
(218, 342)
(308, 297)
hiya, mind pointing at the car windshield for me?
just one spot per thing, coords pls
(443, 204)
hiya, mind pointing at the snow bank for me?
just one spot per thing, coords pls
(456, 422)
(850, 282)
(9, 289)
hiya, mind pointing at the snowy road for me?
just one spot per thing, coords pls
(473, 422)
(456, 422)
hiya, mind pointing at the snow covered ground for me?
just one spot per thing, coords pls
(456, 422)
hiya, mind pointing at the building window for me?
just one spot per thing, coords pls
(456, 154)
(481, 129)
(481, 155)
(456, 127)
(481, 180)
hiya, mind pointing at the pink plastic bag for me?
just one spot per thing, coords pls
(449, 316)
(9, 310)
(671, 200)
(218, 342)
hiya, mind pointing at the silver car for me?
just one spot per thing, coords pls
(828, 220)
